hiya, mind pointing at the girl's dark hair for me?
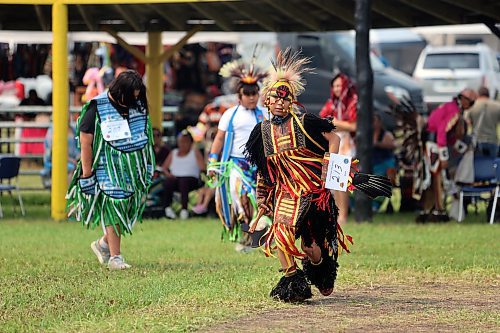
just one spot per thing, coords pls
(244, 88)
(122, 89)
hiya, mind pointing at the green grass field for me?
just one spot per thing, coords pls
(184, 278)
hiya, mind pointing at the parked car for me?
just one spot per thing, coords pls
(332, 52)
(445, 70)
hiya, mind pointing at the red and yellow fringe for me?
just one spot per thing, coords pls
(294, 170)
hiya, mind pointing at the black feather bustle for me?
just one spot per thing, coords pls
(254, 152)
(322, 276)
(372, 185)
(292, 289)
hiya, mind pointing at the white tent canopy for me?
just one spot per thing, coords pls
(133, 38)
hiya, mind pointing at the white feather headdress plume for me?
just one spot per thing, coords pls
(289, 67)
(238, 69)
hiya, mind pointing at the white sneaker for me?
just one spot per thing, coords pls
(117, 263)
(184, 215)
(170, 214)
(101, 253)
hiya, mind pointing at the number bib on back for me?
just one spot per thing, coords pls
(113, 130)
(122, 149)
(116, 126)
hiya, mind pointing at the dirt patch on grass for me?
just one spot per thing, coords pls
(427, 307)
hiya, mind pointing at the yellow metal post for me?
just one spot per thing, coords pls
(60, 109)
(154, 77)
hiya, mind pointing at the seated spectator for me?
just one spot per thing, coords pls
(189, 110)
(32, 99)
(161, 150)
(210, 117)
(182, 169)
(205, 196)
(485, 116)
(384, 161)
(33, 133)
(383, 148)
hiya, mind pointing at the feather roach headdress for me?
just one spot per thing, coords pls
(238, 70)
(287, 70)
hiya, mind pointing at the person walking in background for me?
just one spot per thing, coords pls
(182, 171)
(341, 106)
(113, 175)
(487, 135)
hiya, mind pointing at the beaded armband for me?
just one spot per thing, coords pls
(324, 166)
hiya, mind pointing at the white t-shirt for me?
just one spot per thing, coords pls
(243, 123)
(184, 166)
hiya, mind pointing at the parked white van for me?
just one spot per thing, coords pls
(445, 70)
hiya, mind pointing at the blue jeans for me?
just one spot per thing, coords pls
(487, 149)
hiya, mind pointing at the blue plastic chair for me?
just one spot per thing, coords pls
(9, 170)
(484, 181)
(496, 165)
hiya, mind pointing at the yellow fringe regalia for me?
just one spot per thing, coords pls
(289, 159)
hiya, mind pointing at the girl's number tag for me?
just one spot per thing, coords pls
(113, 130)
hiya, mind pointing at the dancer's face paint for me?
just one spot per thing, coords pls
(280, 99)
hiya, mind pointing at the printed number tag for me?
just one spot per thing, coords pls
(337, 175)
(115, 130)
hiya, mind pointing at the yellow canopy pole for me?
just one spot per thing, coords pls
(60, 110)
(154, 77)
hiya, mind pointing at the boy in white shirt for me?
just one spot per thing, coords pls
(231, 174)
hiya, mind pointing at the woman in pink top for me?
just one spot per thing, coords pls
(443, 121)
(342, 108)
(445, 126)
